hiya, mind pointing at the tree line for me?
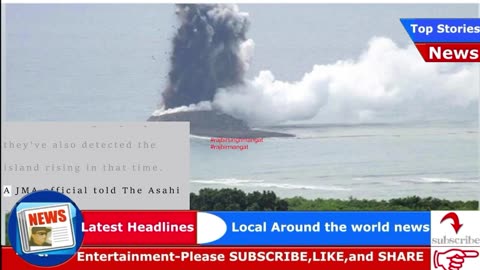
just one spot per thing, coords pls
(228, 199)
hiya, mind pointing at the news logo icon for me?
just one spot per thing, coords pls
(45, 228)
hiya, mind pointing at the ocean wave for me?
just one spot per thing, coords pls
(226, 181)
(416, 175)
(263, 184)
(200, 137)
(309, 137)
(427, 180)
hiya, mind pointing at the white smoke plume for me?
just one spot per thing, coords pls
(201, 106)
(385, 83)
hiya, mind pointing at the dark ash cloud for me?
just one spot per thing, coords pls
(206, 53)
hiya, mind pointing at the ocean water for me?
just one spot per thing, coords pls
(340, 161)
(109, 63)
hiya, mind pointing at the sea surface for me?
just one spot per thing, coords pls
(340, 161)
(109, 63)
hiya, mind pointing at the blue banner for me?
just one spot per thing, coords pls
(325, 228)
(442, 30)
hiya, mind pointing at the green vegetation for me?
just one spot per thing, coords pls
(413, 203)
(235, 199)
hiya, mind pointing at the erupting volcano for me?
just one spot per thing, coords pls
(210, 52)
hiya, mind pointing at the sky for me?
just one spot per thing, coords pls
(109, 63)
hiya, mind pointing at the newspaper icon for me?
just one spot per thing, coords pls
(46, 228)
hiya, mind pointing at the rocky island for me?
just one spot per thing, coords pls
(216, 124)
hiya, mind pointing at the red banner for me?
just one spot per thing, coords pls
(233, 258)
(449, 52)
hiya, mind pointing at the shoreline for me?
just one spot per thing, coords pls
(208, 199)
